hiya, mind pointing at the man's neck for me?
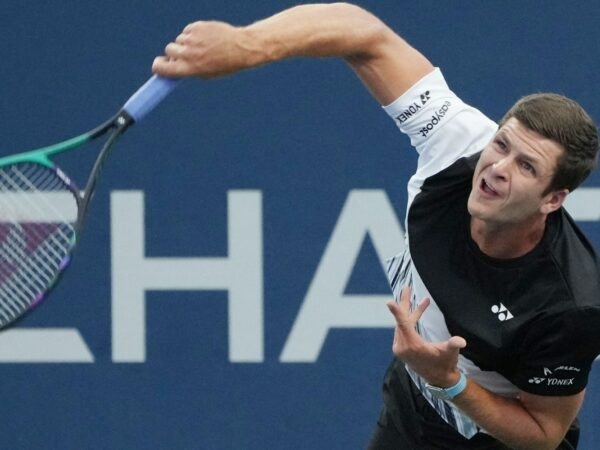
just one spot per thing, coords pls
(506, 241)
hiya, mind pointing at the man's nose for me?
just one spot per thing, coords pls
(501, 167)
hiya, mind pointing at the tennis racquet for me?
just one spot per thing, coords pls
(42, 211)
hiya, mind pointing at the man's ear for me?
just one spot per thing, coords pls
(554, 200)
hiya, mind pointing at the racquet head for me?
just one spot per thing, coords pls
(42, 212)
(38, 216)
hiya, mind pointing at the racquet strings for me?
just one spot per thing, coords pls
(38, 211)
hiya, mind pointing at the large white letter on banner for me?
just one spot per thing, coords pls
(325, 305)
(240, 273)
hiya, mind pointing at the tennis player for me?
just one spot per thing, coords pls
(498, 292)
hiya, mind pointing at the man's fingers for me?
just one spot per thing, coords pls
(399, 314)
(158, 65)
(169, 67)
(394, 308)
(182, 38)
(402, 313)
(189, 27)
(421, 307)
(457, 342)
(405, 295)
(174, 50)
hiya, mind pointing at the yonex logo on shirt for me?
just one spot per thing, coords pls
(411, 110)
(551, 378)
(502, 312)
(552, 381)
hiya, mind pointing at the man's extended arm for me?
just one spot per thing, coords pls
(386, 64)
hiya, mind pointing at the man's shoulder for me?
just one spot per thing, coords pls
(576, 259)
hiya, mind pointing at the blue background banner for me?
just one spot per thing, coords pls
(228, 291)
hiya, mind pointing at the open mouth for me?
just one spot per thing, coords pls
(485, 187)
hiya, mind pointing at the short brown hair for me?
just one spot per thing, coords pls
(564, 121)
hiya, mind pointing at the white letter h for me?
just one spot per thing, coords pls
(240, 273)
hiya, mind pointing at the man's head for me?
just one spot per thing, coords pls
(545, 146)
(565, 122)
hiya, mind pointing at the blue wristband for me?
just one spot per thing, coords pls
(450, 392)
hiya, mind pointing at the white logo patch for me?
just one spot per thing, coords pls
(502, 312)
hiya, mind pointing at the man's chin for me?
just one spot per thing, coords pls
(473, 207)
(478, 211)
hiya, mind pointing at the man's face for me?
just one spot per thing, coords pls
(512, 174)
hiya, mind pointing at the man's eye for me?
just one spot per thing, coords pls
(528, 167)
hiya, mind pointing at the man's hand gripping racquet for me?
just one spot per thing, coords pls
(42, 212)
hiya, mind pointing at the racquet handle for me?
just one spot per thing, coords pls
(147, 97)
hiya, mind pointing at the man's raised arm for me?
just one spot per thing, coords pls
(386, 64)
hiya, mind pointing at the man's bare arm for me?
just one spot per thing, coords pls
(531, 422)
(386, 64)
